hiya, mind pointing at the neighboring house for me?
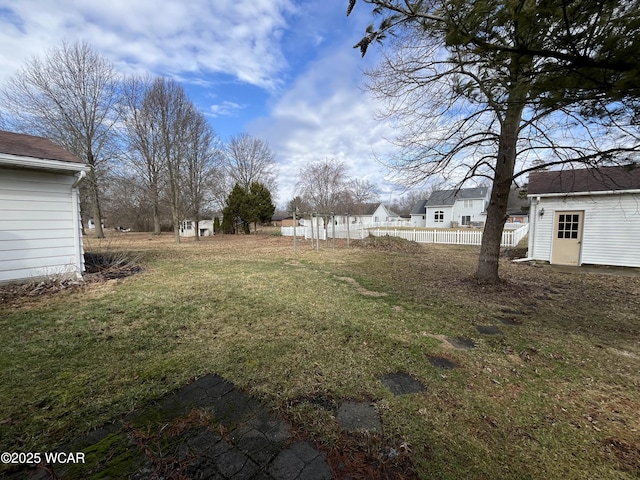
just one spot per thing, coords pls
(458, 207)
(419, 214)
(367, 213)
(282, 221)
(518, 206)
(585, 216)
(188, 228)
(40, 225)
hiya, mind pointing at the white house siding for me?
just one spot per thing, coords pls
(188, 228)
(448, 217)
(39, 227)
(475, 210)
(419, 220)
(611, 230)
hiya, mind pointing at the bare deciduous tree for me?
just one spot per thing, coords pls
(172, 115)
(324, 184)
(361, 191)
(249, 159)
(202, 160)
(143, 142)
(69, 96)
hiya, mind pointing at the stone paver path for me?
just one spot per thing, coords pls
(358, 416)
(207, 430)
(401, 383)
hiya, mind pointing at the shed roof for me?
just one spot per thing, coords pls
(625, 177)
(36, 147)
(449, 197)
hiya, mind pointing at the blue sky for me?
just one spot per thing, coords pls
(281, 70)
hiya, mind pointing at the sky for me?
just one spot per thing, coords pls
(284, 71)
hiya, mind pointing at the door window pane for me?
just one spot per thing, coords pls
(568, 226)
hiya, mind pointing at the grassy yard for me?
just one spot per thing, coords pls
(556, 396)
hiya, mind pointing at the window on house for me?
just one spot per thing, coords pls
(188, 226)
(468, 204)
(438, 216)
(466, 220)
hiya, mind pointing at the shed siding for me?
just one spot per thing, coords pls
(611, 232)
(38, 228)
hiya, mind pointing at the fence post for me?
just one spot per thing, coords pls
(295, 210)
(333, 230)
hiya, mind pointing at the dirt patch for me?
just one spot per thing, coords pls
(628, 455)
(459, 343)
(293, 263)
(388, 244)
(369, 455)
(360, 288)
(624, 353)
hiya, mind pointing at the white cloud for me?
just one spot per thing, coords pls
(326, 114)
(235, 37)
(224, 109)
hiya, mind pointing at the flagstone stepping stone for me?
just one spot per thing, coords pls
(488, 330)
(401, 383)
(543, 297)
(509, 321)
(442, 362)
(358, 417)
(461, 343)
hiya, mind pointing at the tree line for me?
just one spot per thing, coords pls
(156, 161)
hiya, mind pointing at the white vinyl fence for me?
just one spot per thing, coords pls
(510, 237)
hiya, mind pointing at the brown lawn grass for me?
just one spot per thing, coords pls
(556, 396)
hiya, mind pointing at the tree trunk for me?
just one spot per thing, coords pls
(196, 225)
(176, 230)
(487, 272)
(156, 208)
(95, 204)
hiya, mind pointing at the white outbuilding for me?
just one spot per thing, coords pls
(585, 216)
(40, 225)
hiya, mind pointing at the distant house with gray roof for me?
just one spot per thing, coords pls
(368, 213)
(452, 208)
(419, 214)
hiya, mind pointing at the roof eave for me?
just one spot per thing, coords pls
(41, 163)
(578, 194)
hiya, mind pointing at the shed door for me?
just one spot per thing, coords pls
(567, 238)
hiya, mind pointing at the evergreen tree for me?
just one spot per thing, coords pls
(237, 211)
(261, 207)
